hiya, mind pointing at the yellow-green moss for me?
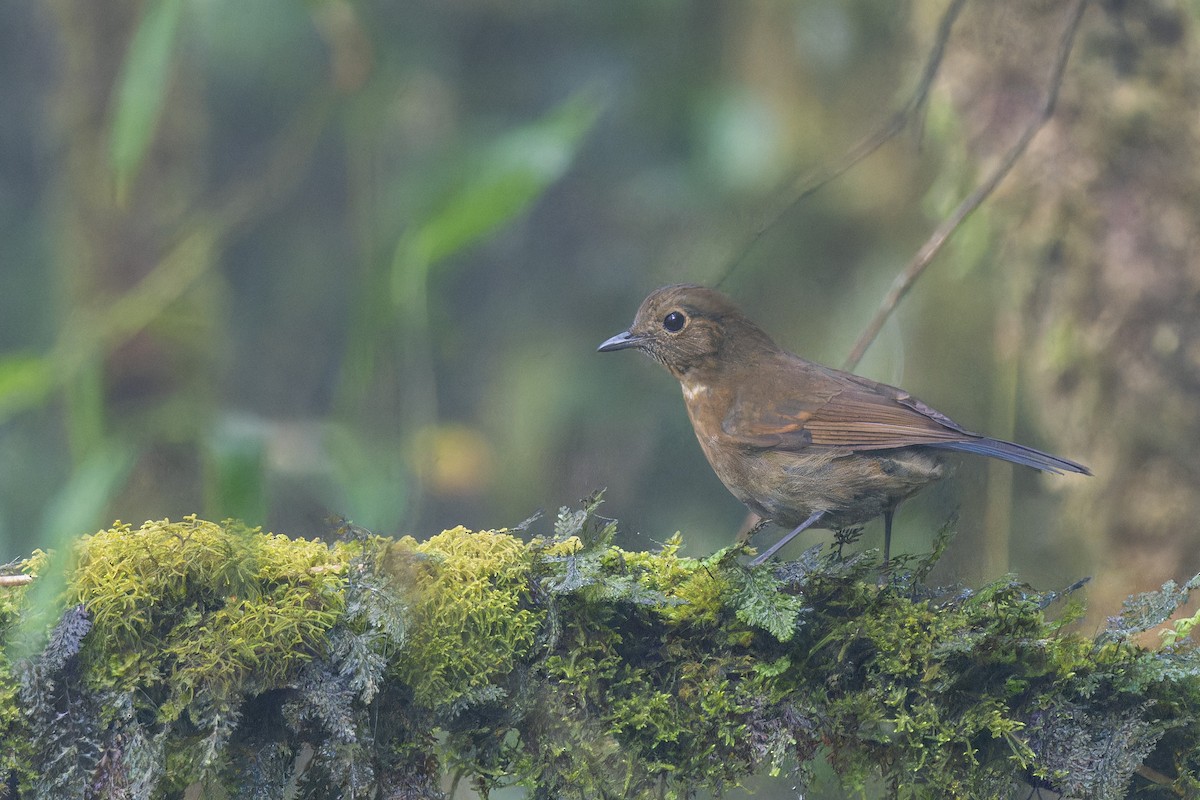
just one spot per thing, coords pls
(471, 612)
(182, 607)
(15, 744)
(210, 654)
(694, 589)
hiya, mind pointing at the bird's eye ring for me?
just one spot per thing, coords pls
(674, 321)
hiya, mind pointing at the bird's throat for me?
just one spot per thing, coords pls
(694, 391)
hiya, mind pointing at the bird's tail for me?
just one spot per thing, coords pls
(1016, 453)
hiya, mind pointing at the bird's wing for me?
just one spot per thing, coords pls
(795, 404)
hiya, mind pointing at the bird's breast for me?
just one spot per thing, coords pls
(700, 400)
(694, 391)
(706, 408)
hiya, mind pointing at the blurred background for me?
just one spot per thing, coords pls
(281, 260)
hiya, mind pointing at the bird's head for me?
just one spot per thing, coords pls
(689, 329)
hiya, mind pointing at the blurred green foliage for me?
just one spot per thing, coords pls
(142, 90)
(304, 259)
(370, 282)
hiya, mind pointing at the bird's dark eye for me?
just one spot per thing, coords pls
(673, 322)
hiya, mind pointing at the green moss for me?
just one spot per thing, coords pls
(472, 614)
(192, 654)
(16, 741)
(193, 607)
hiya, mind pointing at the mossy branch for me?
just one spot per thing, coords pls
(244, 664)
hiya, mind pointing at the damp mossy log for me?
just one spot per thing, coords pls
(203, 659)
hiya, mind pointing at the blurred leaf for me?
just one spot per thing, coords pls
(235, 474)
(452, 458)
(371, 477)
(142, 89)
(24, 381)
(85, 408)
(973, 246)
(513, 172)
(79, 505)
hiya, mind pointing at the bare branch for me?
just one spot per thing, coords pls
(937, 239)
(810, 181)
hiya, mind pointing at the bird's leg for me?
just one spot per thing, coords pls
(773, 549)
(887, 536)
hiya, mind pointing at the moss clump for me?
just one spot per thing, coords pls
(163, 632)
(189, 608)
(16, 740)
(472, 617)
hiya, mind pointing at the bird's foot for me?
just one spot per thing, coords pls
(845, 536)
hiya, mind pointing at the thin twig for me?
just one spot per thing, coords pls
(937, 239)
(810, 181)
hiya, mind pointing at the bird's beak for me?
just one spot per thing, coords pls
(621, 341)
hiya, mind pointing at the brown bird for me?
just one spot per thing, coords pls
(797, 442)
